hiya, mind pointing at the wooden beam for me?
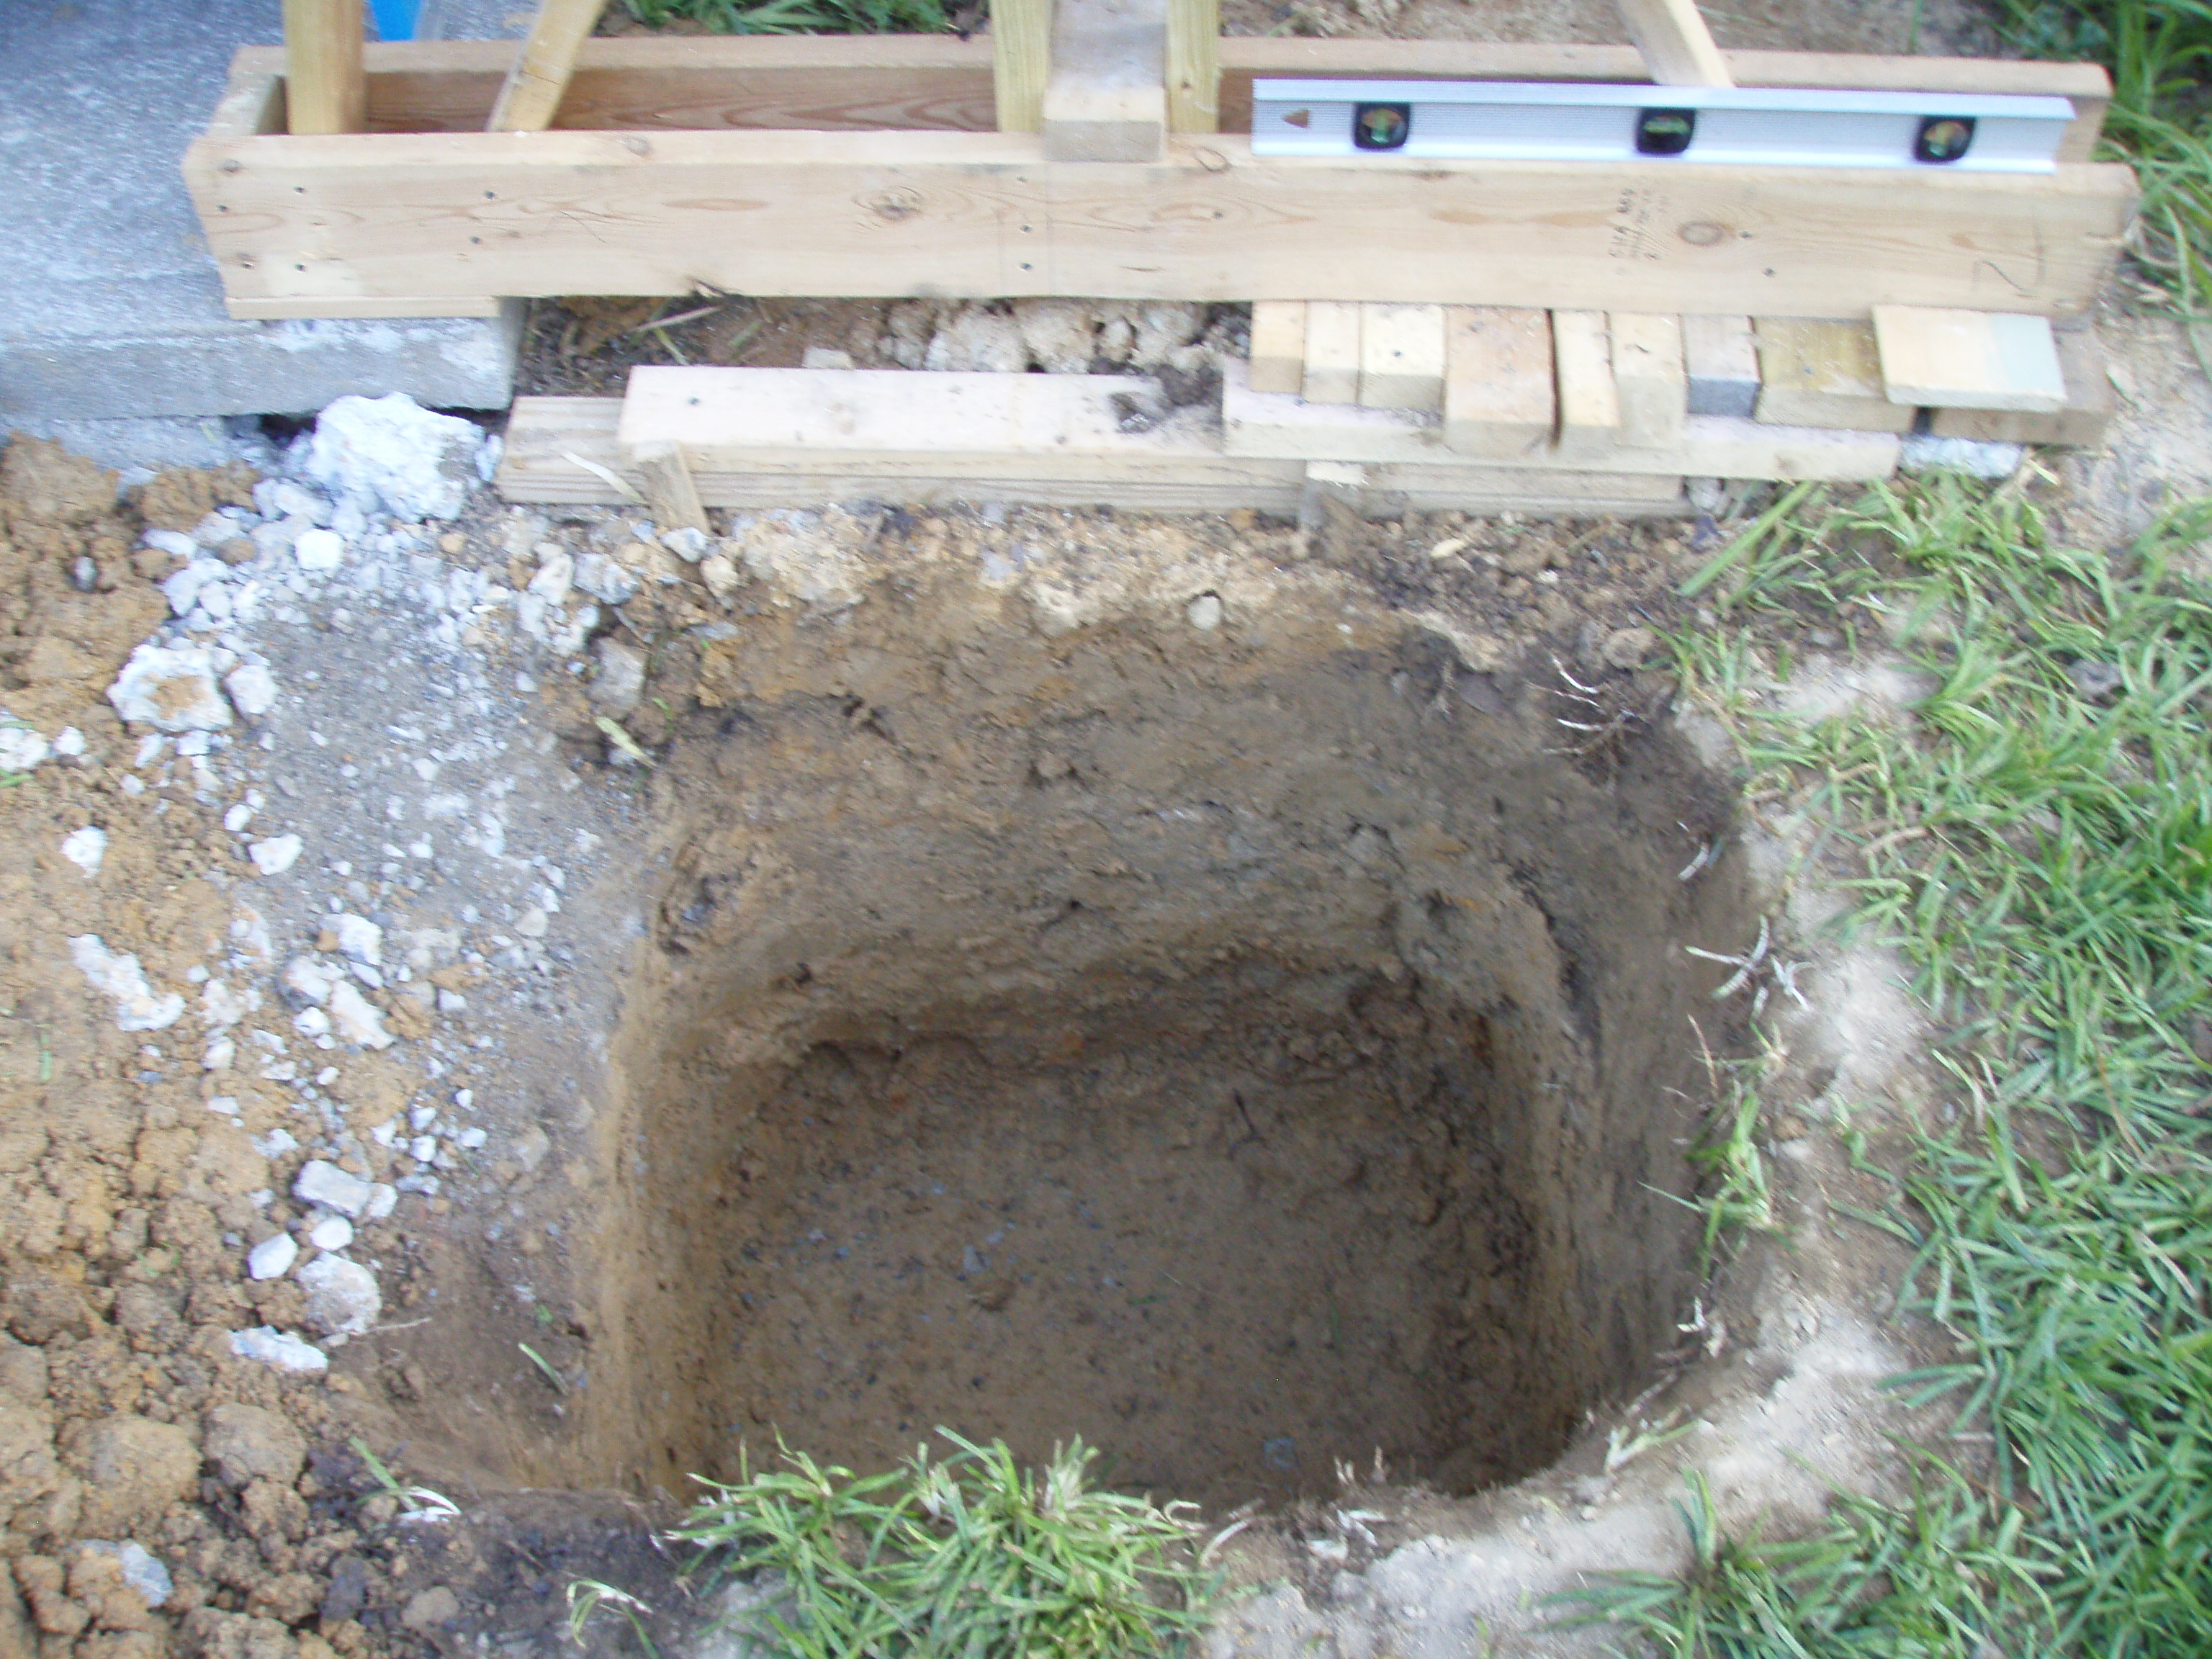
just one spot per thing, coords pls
(1649, 378)
(2088, 413)
(1193, 65)
(1332, 375)
(1721, 356)
(1678, 48)
(1401, 357)
(1968, 360)
(1590, 400)
(1825, 374)
(1500, 401)
(1021, 62)
(1278, 352)
(533, 88)
(1106, 100)
(325, 90)
(285, 310)
(983, 216)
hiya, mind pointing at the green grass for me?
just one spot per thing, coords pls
(2036, 838)
(797, 16)
(972, 1556)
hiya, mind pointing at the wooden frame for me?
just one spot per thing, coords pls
(866, 167)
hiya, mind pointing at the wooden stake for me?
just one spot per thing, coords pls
(534, 88)
(325, 90)
(1589, 402)
(1193, 65)
(1106, 100)
(1677, 46)
(1647, 372)
(1021, 62)
(1499, 400)
(1278, 355)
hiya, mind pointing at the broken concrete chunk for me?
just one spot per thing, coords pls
(343, 1299)
(271, 1346)
(274, 856)
(389, 453)
(138, 1007)
(354, 1019)
(171, 688)
(325, 1184)
(272, 1258)
(253, 689)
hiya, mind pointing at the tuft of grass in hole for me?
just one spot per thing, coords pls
(2036, 837)
(797, 16)
(972, 1555)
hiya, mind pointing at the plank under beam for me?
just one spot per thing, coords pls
(1106, 100)
(1677, 46)
(1021, 59)
(325, 89)
(1277, 354)
(534, 85)
(1193, 65)
(1500, 401)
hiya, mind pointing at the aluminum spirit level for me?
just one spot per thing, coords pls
(1757, 126)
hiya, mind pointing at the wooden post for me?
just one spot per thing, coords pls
(1677, 46)
(1021, 61)
(1193, 65)
(534, 85)
(1106, 98)
(325, 90)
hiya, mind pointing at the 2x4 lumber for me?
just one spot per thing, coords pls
(262, 310)
(1278, 351)
(1677, 46)
(1950, 359)
(1396, 488)
(1193, 65)
(1720, 355)
(1825, 373)
(980, 215)
(1332, 370)
(533, 88)
(1401, 357)
(1500, 401)
(325, 85)
(1106, 98)
(2089, 411)
(1021, 62)
(1264, 425)
(1590, 401)
(1649, 378)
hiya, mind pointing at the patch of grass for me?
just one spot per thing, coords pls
(2036, 837)
(797, 16)
(972, 1556)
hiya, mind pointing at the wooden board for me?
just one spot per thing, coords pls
(1500, 403)
(1106, 98)
(1720, 355)
(1649, 378)
(284, 310)
(984, 215)
(1678, 48)
(1269, 426)
(2089, 411)
(1020, 48)
(1278, 353)
(1826, 374)
(1968, 360)
(1193, 65)
(840, 82)
(1402, 357)
(1590, 398)
(327, 91)
(532, 91)
(1332, 375)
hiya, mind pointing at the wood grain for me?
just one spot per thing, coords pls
(1678, 48)
(1721, 355)
(1500, 402)
(1589, 397)
(1332, 370)
(1020, 56)
(1401, 357)
(1106, 98)
(326, 86)
(1648, 377)
(533, 88)
(1278, 353)
(1825, 373)
(1947, 359)
(2089, 411)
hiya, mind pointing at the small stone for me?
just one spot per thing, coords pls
(326, 1185)
(361, 939)
(171, 689)
(423, 1148)
(270, 1346)
(274, 856)
(470, 1141)
(604, 579)
(977, 340)
(391, 453)
(247, 1444)
(825, 357)
(253, 689)
(383, 1200)
(1628, 647)
(308, 980)
(343, 1299)
(85, 848)
(272, 1258)
(332, 1232)
(354, 1019)
(619, 681)
(719, 573)
(531, 923)
(142, 1570)
(2095, 680)
(556, 579)
(1921, 452)
(69, 742)
(319, 550)
(1205, 612)
(688, 544)
(237, 818)
(183, 588)
(21, 749)
(138, 1007)
(432, 1609)
(174, 543)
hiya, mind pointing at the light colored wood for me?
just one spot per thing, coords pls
(1590, 401)
(671, 493)
(1394, 489)
(1649, 377)
(1947, 359)
(1825, 374)
(1678, 48)
(1721, 356)
(1499, 401)
(1021, 62)
(1277, 354)
(1332, 375)
(1106, 98)
(1193, 65)
(1333, 495)
(982, 214)
(2088, 413)
(286, 310)
(1265, 425)
(534, 87)
(1401, 357)
(654, 83)
(326, 86)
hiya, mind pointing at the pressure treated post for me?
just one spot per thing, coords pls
(539, 75)
(1193, 65)
(1677, 46)
(325, 90)
(1021, 62)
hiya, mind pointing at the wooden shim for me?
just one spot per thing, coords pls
(983, 215)
(325, 90)
(1500, 402)
(1968, 360)
(941, 82)
(1824, 374)
(671, 493)
(1720, 355)
(1277, 354)
(532, 92)
(2088, 413)
(1332, 373)
(1266, 425)
(1402, 357)
(1106, 100)
(1677, 47)
(1021, 62)
(256, 311)
(1392, 489)
(1649, 377)
(1193, 65)
(1590, 401)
